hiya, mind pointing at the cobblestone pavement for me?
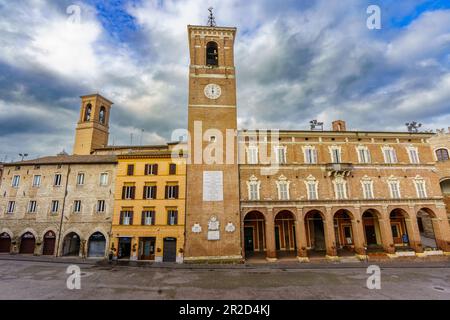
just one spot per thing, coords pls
(47, 280)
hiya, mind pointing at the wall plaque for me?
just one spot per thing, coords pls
(212, 185)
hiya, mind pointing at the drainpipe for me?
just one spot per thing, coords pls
(62, 211)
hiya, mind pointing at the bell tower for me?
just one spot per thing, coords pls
(92, 130)
(212, 200)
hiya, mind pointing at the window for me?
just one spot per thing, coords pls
(280, 155)
(172, 217)
(126, 218)
(58, 178)
(130, 169)
(310, 155)
(413, 155)
(128, 192)
(212, 54)
(283, 188)
(335, 154)
(36, 181)
(394, 188)
(150, 192)
(11, 207)
(151, 169)
(87, 114)
(32, 205)
(101, 206)
(312, 188)
(253, 186)
(252, 155)
(148, 217)
(103, 179)
(172, 168)
(15, 181)
(420, 187)
(102, 115)
(363, 154)
(340, 188)
(442, 155)
(77, 206)
(367, 188)
(80, 179)
(312, 191)
(172, 192)
(390, 155)
(55, 206)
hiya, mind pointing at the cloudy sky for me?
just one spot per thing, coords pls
(296, 61)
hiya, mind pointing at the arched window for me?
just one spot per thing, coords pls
(87, 113)
(212, 54)
(102, 115)
(442, 154)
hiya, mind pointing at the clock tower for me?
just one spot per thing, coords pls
(212, 200)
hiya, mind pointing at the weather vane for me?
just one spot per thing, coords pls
(211, 19)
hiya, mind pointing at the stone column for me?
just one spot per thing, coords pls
(300, 235)
(386, 235)
(271, 254)
(330, 239)
(358, 232)
(441, 228)
(413, 232)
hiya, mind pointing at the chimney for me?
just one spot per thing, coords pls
(339, 125)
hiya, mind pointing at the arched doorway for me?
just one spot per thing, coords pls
(372, 233)
(49, 244)
(343, 232)
(398, 228)
(285, 242)
(254, 234)
(426, 229)
(445, 188)
(315, 232)
(5, 243)
(27, 243)
(71, 245)
(97, 245)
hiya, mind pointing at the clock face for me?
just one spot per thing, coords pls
(213, 91)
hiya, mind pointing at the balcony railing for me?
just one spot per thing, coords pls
(339, 168)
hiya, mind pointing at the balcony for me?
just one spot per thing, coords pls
(343, 169)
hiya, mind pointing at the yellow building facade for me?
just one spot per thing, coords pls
(149, 212)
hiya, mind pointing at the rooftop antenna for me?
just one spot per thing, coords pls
(131, 139)
(211, 19)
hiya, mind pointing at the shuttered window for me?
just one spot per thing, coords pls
(172, 192)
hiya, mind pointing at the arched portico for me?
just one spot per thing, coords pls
(285, 235)
(254, 234)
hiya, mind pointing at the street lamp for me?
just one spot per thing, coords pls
(23, 155)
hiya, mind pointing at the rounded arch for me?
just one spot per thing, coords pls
(344, 213)
(371, 212)
(314, 213)
(29, 230)
(71, 244)
(399, 213)
(87, 112)
(254, 215)
(102, 115)
(428, 211)
(285, 215)
(254, 233)
(8, 231)
(212, 53)
(441, 153)
(27, 243)
(96, 244)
